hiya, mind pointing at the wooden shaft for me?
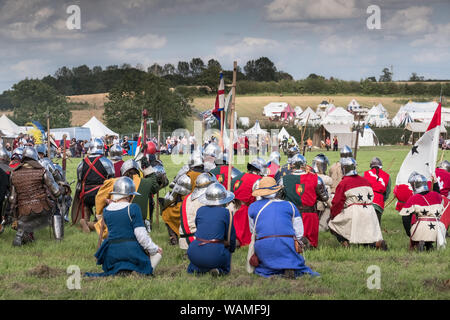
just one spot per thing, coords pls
(48, 135)
(64, 156)
(159, 153)
(231, 150)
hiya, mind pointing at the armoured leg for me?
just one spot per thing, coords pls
(17, 242)
(57, 223)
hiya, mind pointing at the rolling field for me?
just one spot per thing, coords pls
(39, 270)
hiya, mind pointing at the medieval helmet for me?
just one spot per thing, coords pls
(97, 147)
(124, 187)
(298, 161)
(183, 185)
(128, 165)
(346, 152)
(4, 155)
(116, 152)
(348, 166)
(195, 159)
(201, 183)
(291, 152)
(17, 153)
(30, 153)
(275, 157)
(212, 150)
(444, 165)
(258, 164)
(216, 195)
(376, 162)
(418, 182)
(42, 148)
(320, 163)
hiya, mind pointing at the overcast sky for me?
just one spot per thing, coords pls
(327, 37)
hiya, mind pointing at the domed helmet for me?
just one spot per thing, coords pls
(320, 163)
(128, 165)
(298, 161)
(346, 152)
(183, 186)
(17, 153)
(42, 148)
(4, 155)
(376, 163)
(444, 165)
(275, 157)
(96, 147)
(291, 152)
(116, 152)
(201, 183)
(212, 150)
(258, 164)
(196, 159)
(30, 153)
(216, 195)
(151, 147)
(418, 182)
(348, 166)
(123, 187)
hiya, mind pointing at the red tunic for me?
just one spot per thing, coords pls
(242, 189)
(443, 178)
(347, 183)
(272, 169)
(403, 192)
(378, 183)
(117, 167)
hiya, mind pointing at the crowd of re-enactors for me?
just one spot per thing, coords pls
(274, 211)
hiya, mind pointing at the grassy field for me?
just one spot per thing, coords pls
(38, 271)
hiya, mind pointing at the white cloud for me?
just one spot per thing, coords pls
(31, 68)
(437, 39)
(294, 10)
(336, 44)
(149, 41)
(430, 56)
(248, 48)
(410, 21)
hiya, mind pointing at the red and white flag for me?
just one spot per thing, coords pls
(220, 98)
(422, 158)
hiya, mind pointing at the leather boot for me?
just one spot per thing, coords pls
(381, 245)
(17, 242)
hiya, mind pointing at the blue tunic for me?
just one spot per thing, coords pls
(212, 223)
(278, 253)
(120, 250)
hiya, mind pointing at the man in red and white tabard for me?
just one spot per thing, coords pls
(443, 178)
(421, 213)
(304, 188)
(380, 181)
(353, 217)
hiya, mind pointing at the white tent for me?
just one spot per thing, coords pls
(368, 138)
(255, 130)
(298, 111)
(274, 108)
(8, 127)
(353, 105)
(313, 117)
(421, 112)
(244, 121)
(378, 116)
(98, 129)
(284, 134)
(339, 116)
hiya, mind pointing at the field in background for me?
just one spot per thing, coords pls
(38, 271)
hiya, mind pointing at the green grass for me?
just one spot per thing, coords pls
(38, 271)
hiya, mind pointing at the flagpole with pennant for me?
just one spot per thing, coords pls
(232, 127)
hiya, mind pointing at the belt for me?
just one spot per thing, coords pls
(277, 236)
(187, 235)
(307, 209)
(203, 241)
(122, 240)
(427, 219)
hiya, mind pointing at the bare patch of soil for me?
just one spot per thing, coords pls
(44, 271)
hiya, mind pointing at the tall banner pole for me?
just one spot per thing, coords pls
(357, 133)
(158, 208)
(303, 135)
(232, 127)
(48, 134)
(64, 156)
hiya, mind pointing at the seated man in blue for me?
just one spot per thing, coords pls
(277, 224)
(128, 246)
(215, 238)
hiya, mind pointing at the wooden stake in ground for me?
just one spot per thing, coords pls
(232, 127)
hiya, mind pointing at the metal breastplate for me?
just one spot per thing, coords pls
(31, 192)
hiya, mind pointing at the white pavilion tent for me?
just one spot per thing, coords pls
(8, 127)
(98, 129)
(339, 116)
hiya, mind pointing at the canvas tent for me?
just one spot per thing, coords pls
(283, 134)
(8, 127)
(418, 128)
(421, 112)
(244, 121)
(353, 105)
(378, 116)
(255, 130)
(274, 109)
(313, 117)
(368, 138)
(344, 134)
(98, 129)
(339, 116)
(288, 113)
(298, 110)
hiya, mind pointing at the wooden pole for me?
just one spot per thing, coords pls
(357, 136)
(303, 135)
(158, 208)
(64, 156)
(232, 128)
(48, 135)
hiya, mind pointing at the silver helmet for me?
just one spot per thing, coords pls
(444, 165)
(196, 159)
(291, 152)
(201, 183)
(42, 148)
(376, 162)
(348, 166)
(212, 150)
(59, 169)
(298, 161)
(159, 170)
(418, 182)
(4, 155)
(123, 187)
(17, 153)
(216, 195)
(346, 152)
(30, 153)
(275, 157)
(320, 163)
(258, 164)
(48, 164)
(183, 186)
(128, 165)
(96, 147)
(116, 152)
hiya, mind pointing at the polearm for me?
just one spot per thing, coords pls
(159, 153)
(232, 128)
(49, 153)
(303, 135)
(64, 156)
(357, 134)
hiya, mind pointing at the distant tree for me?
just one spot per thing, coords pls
(415, 77)
(32, 98)
(125, 66)
(6, 100)
(97, 70)
(155, 69)
(112, 67)
(386, 76)
(262, 69)
(183, 68)
(169, 69)
(373, 79)
(197, 66)
(214, 63)
(281, 75)
(315, 76)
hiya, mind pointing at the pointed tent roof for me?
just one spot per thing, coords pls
(339, 116)
(311, 113)
(98, 129)
(274, 108)
(283, 133)
(368, 138)
(8, 127)
(354, 104)
(298, 110)
(256, 129)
